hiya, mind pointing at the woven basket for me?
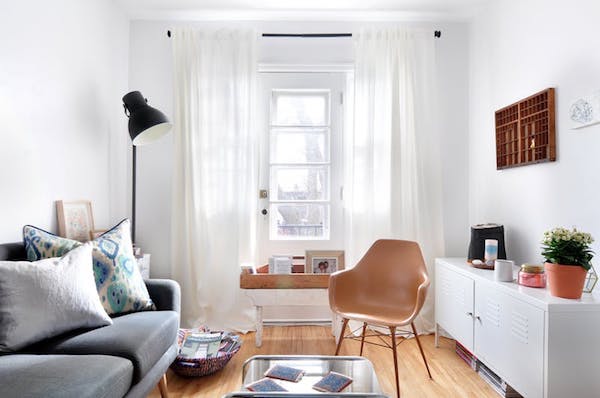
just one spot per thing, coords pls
(190, 367)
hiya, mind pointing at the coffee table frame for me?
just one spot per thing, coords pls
(335, 363)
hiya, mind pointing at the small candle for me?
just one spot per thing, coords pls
(491, 250)
(532, 276)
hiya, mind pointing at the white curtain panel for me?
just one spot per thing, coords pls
(392, 176)
(215, 174)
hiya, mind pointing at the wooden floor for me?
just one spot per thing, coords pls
(451, 376)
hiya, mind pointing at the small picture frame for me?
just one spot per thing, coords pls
(248, 268)
(75, 219)
(324, 261)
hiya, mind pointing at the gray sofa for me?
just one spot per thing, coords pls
(125, 359)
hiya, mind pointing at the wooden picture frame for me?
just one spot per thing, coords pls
(323, 261)
(75, 219)
(96, 233)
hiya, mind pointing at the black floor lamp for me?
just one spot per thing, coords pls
(146, 125)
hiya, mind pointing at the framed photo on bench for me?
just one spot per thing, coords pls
(324, 261)
(75, 219)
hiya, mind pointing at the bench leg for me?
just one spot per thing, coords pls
(162, 386)
(259, 326)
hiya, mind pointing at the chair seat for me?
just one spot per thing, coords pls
(376, 313)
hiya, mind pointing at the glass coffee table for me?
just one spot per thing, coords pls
(364, 380)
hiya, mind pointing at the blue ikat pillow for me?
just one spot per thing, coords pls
(118, 279)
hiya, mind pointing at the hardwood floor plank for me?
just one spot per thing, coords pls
(451, 376)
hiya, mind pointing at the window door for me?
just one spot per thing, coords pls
(301, 154)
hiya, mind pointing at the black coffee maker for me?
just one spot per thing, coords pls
(481, 232)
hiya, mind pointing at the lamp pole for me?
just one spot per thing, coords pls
(133, 183)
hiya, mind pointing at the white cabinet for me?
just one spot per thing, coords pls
(509, 336)
(541, 345)
(454, 304)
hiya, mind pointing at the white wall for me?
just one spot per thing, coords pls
(63, 70)
(519, 48)
(453, 90)
(150, 72)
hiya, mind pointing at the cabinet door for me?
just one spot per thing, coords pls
(509, 338)
(454, 304)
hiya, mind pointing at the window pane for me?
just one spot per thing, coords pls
(299, 145)
(300, 108)
(300, 183)
(293, 221)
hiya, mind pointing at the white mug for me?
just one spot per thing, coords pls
(503, 270)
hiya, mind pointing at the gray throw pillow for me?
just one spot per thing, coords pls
(45, 298)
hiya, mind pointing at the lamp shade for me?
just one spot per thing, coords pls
(146, 124)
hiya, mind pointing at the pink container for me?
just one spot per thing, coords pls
(532, 276)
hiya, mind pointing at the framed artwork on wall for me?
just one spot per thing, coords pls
(75, 219)
(526, 131)
(324, 261)
(585, 111)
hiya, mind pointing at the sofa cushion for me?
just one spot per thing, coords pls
(48, 297)
(64, 376)
(141, 337)
(118, 279)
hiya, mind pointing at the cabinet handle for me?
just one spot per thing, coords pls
(470, 314)
(478, 318)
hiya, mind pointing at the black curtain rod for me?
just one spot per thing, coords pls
(307, 35)
(437, 33)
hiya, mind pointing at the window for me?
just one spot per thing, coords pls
(300, 164)
(302, 161)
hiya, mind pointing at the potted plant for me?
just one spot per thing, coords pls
(568, 259)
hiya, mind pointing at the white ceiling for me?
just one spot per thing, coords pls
(302, 9)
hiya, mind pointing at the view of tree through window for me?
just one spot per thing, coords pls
(300, 164)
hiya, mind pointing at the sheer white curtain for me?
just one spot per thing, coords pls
(215, 172)
(392, 178)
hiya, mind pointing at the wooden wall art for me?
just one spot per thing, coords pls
(525, 131)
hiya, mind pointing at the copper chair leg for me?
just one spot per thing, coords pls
(362, 341)
(393, 347)
(420, 348)
(339, 344)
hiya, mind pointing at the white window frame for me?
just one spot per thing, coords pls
(327, 166)
(340, 74)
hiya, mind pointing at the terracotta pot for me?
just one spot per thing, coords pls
(565, 281)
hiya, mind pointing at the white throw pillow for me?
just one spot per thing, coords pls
(45, 298)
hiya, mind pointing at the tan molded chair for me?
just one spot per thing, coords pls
(386, 288)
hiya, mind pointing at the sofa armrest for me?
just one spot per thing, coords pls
(165, 293)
